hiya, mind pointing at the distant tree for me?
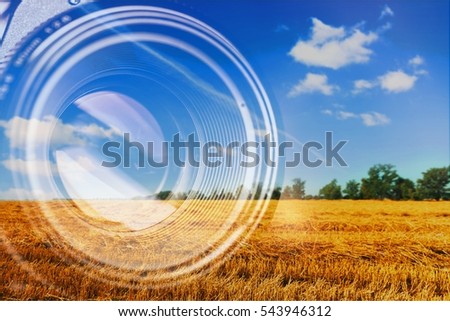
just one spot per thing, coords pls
(276, 193)
(196, 195)
(434, 184)
(287, 193)
(222, 195)
(163, 195)
(331, 191)
(258, 191)
(181, 196)
(239, 194)
(351, 190)
(381, 182)
(230, 196)
(404, 189)
(298, 188)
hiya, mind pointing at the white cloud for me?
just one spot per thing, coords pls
(361, 85)
(23, 194)
(416, 61)
(92, 130)
(369, 119)
(343, 115)
(374, 119)
(313, 83)
(83, 177)
(420, 72)
(281, 28)
(21, 131)
(338, 106)
(33, 167)
(397, 81)
(393, 81)
(333, 47)
(386, 12)
(387, 26)
(322, 33)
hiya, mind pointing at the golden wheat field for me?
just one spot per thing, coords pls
(302, 250)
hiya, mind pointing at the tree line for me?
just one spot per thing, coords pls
(382, 182)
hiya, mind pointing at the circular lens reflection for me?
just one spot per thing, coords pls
(105, 98)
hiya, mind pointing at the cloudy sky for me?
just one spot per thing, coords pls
(375, 73)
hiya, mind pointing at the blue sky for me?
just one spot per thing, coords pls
(375, 73)
(402, 118)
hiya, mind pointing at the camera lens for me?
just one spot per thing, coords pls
(99, 98)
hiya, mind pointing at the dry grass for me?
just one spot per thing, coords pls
(303, 250)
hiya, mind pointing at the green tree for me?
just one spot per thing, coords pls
(351, 190)
(381, 182)
(434, 184)
(258, 191)
(331, 191)
(196, 195)
(287, 193)
(181, 196)
(276, 193)
(163, 195)
(298, 188)
(239, 194)
(404, 189)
